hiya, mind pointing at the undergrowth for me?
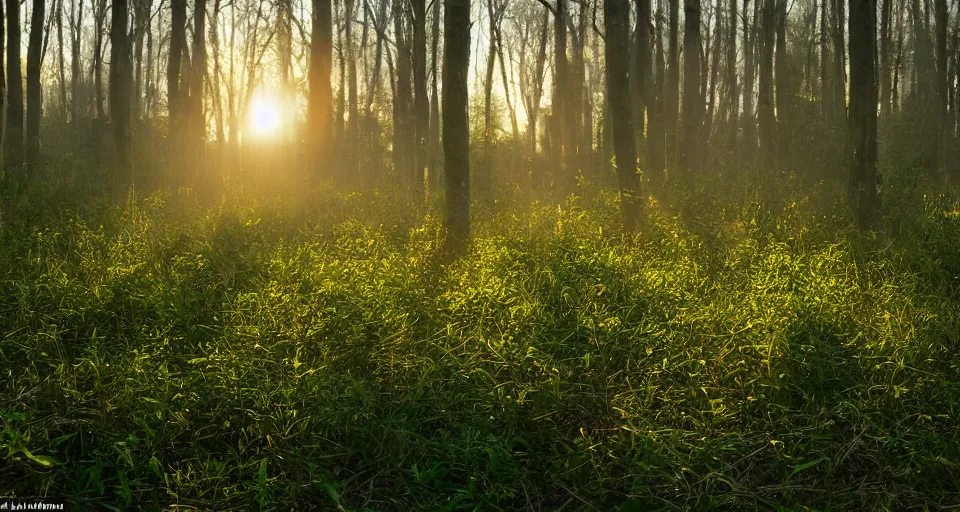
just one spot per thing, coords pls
(746, 349)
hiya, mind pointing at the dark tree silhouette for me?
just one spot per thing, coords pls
(456, 122)
(617, 44)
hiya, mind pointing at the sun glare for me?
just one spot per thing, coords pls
(265, 114)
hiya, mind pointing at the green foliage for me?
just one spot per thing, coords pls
(747, 349)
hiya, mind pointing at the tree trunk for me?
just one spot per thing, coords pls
(749, 66)
(784, 89)
(13, 136)
(656, 136)
(768, 123)
(404, 127)
(198, 69)
(672, 103)
(617, 54)
(34, 92)
(3, 82)
(642, 83)
(420, 98)
(456, 123)
(863, 194)
(734, 98)
(178, 40)
(885, 59)
(436, 155)
(61, 67)
(560, 92)
(120, 79)
(321, 95)
(691, 149)
(488, 94)
(940, 15)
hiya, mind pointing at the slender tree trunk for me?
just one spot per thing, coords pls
(13, 136)
(940, 15)
(421, 99)
(405, 127)
(749, 66)
(784, 88)
(178, 40)
(768, 123)
(560, 92)
(34, 92)
(436, 155)
(642, 83)
(656, 141)
(321, 95)
(120, 81)
(3, 82)
(456, 123)
(75, 64)
(353, 109)
(198, 71)
(734, 99)
(885, 59)
(863, 111)
(714, 70)
(691, 151)
(616, 17)
(672, 103)
(488, 93)
(61, 67)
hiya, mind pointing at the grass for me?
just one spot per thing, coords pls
(746, 350)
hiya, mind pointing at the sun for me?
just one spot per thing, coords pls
(264, 117)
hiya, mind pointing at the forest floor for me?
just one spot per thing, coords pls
(747, 349)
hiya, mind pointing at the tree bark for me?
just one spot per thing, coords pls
(864, 197)
(13, 136)
(321, 95)
(672, 103)
(885, 59)
(61, 67)
(734, 98)
(690, 153)
(178, 40)
(120, 81)
(617, 54)
(421, 100)
(197, 119)
(34, 88)
(768, 123)
(456, 123)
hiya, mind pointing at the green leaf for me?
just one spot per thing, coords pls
(807, 465)
(44, 460)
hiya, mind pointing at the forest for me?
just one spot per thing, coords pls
(446, 255)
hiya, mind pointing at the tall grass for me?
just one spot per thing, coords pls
(747, 349)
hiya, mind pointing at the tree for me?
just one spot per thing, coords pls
(734, 99)
(768, 123)
(13, 131)
(320, 120)
(196, 120)
(456, 122)
(862, 190)
(120, 81)
(617, 53)
(178, 41)
(672, 101)
(421, 101)
(691, 149)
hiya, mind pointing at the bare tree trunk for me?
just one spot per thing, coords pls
(120, 81)
(641, 59)
(3, 82)
(13, 136)
(885, 59)
(175, 94)
(560, 93)
(940, 16)
(436, 155)
(714, 71)
(404, 129)
(321, 94)
(616, 17)
(421, 99)
(75, 64)
(34, 92)
(488, 93)
(353, 109)
(61, 68)
(456, 123)
(863, 112)
(657, 134)
(749, 78)
(734, 98)
(691, 150)
(672, 103)
(768, 123)
(784, 88)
